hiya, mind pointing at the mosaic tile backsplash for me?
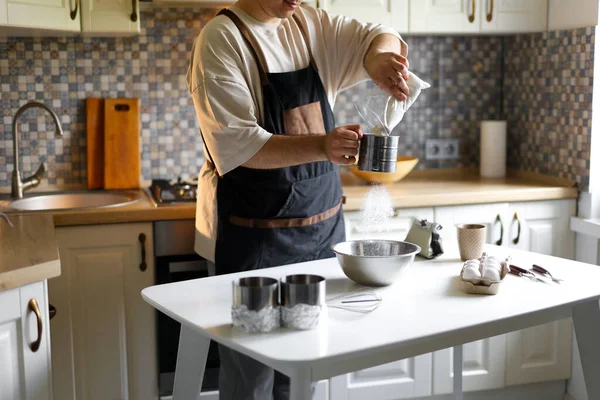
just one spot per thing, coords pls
(548, 81)
(63, 72)
(473, 78)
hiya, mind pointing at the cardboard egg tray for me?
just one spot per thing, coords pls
(483, 285)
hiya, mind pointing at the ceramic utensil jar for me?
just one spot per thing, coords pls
(471, 239)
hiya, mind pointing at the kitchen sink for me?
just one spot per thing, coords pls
(75, 201)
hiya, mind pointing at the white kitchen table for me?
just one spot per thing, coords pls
(423, 312)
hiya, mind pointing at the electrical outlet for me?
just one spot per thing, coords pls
(441, 149)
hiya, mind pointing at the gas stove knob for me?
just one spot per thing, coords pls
(187, 192)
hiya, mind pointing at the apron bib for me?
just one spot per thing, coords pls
(286, 215)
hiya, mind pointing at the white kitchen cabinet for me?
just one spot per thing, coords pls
(490, 215)
(392, 13)
(322, 390)
(396, 229)
(542, 227)
(444, 16)
(402, 379)
(483, 360)
(483, 366)
(511, 16)
(572, 14)
(541, 353)
(538, 354)
(478, 16)
(110, 16)
(62, 15)
(25, 368)
(200, 3)
(104, 333)
(106, 17)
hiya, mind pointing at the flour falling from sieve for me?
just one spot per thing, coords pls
(377, 210)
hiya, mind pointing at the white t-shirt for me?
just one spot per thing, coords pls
(224, 81)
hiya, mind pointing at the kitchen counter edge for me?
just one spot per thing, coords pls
(420, 189)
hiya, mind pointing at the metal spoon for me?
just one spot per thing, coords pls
(526, 274)
(545, 272)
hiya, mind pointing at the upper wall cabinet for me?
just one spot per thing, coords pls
(392, 13)
(508, 16)
(478, 16)
(43, 14)
(572, 14)
(110, 16)
(444, 16)
(101, 17)
(192, 3)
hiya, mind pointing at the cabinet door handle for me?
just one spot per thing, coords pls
(498, 219)
(472, 15)
(142, 239)
(134, 15)
(51, 311)
(74, 12)
(490, 14)
(33, 306)
(516, 218)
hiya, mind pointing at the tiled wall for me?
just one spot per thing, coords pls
(469, 77)
(62, 72)
(548, 82)
(465, 74)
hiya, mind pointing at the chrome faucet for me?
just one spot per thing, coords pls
(18, 185)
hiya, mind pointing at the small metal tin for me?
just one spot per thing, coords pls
(378, 153)
(255, 292)
(302, 289)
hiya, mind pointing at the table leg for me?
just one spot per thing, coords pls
(457, 372)
(586, 319)
(191, 360)
(301, 384)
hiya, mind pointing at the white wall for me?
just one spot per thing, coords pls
(567, 14)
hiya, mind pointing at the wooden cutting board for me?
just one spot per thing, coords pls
(122, 159)
(94, 122)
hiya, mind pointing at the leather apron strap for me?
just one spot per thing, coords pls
(257, 53)
(306, 41)
(286, 222)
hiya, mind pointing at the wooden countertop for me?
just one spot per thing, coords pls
(28, 250)
(142, 210)
(427, 188)
(462, 186)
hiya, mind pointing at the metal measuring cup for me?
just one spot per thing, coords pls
(378, 153)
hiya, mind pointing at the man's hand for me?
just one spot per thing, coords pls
(390, 72)
(341, 145)
(387, 65)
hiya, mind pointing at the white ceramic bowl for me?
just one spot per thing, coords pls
(375, 262)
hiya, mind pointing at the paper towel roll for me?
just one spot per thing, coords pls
(493, 149)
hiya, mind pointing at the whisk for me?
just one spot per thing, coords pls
(362, 301)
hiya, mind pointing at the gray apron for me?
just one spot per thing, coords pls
(280, 216)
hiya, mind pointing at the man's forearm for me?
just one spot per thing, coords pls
(385, 43)
(285, 151)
